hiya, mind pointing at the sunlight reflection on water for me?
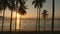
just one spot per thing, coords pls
(17, 24)
(18, 18)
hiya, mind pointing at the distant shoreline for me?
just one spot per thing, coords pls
(28, 18)
(33, 29)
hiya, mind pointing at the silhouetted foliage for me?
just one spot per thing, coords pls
(3, 6)
(22, 11)
(44, 15)
(38, 4)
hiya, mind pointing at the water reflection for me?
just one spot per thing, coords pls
(18, 17)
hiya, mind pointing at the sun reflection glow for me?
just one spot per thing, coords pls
(18, 17)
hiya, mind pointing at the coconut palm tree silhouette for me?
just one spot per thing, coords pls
(21, 2)
(38, 4)
(21, 11)
(16, 8)
(11, 6)
(53, 12)
(44, 15)
(3, 6)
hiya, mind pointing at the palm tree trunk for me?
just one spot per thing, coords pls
(3, 20)
(44, 24)
(53, 11)
(20, 24)
(11, 21)
(15, 21)
(37, 20)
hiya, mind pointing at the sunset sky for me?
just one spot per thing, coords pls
(31, 12)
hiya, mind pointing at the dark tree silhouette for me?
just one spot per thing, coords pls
(44, 15)
(53, 12)
(38, 4)
(3, 6)
(11, 6)
(16, 8)
(21, 2)
(21, 11)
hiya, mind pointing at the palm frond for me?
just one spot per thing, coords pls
(21, 3)
(11, 4)
(4, 4)
(41, 5)
(36, 5)
(44, 0)
(21, 11)
(33, 2)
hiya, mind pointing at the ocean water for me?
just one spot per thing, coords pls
(30, 25)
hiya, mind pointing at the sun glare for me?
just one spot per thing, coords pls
(18, 16)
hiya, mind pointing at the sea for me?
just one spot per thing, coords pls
(30, 25)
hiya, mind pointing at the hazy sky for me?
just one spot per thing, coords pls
(31, 12)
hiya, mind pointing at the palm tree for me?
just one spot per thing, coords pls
(21, 11)
(3, 7)
(53, 12)
(11, 6)
(1, 11)
(44, 15)
(17, 8)
(38, 4)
